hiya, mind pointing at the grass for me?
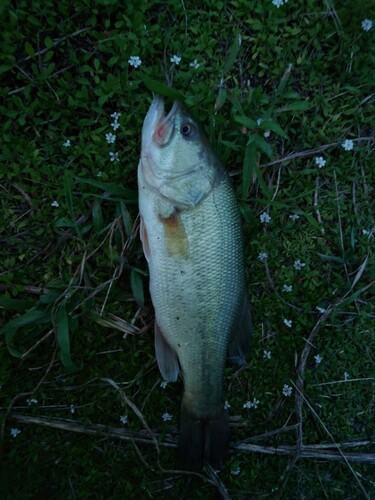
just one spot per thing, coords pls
(275, 89)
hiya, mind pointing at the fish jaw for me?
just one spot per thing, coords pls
(158, 128)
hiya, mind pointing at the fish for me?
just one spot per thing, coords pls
(192, 239)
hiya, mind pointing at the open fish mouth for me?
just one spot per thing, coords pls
(158, 127)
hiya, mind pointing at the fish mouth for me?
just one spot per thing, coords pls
(158, 128)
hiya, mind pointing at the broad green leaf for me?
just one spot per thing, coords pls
(263, 145)
(271, 125)
(294, 106)
(129, 194)
(29, 50)
(263, 185)
(221, 98)
(137, 287)
(9, 336)
(233, 53)
(126, 219)
(30, 317)
(246, 122)
(161, 89)
(18, 305)
(48, 42)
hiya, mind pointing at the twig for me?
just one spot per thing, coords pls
(45, 337)
(316, 206)
(320, 452)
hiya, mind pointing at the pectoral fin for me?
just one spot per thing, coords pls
(144, 239)
(241, 334)
(175, 235)
(166, 357)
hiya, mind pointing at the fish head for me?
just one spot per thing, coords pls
(176, 158)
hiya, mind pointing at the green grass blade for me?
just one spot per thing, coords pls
(233, 53)
(63, 338)
(137, 287)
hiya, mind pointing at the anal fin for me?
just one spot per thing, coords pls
(166, 357)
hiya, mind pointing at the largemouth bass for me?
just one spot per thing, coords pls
(192, 239)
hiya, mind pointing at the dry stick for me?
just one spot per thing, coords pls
(311, 152)
(217, 482)
(25, 354)
(322, 452)
(316, 206)
(340, 225)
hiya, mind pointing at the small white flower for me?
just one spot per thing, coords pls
(226, 405)
(287, 288)
(31, 402)
(251, 404)
(365, 232)
(320, 161)
(134, 61)
(265, 218)
(267, 354)
(14, 432)
(99, 174)
(266, 134)
(72, 409)
(320, 309)
(166, 417)
(294, 217)
(263, 256)
(288, 323)
(124, 419)
(346, 376)
(366, 24)
(259, 121)
(115, 125)
(298, 264)
(110, 138)
(279, 3)
(163, 384)
(195, 64)
(255, 403)
(115, 116)
(318, 359)
(348, 144)
(287, 390)
(113, 156)
(235, 471)
(175, 59)
(66, 143)
(55, 204)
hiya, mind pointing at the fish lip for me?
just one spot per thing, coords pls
(155, 120)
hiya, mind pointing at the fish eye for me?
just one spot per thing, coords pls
(187, 129)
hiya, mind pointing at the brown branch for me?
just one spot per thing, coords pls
(320, 452)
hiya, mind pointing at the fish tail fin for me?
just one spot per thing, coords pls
(203, 439)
